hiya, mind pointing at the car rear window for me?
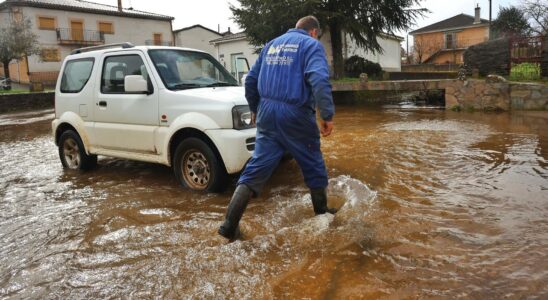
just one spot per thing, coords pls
(76, 74)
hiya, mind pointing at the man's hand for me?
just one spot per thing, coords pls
(253, 118)
(326, 127)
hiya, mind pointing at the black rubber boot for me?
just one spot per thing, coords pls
(319, 201)
(230, 228)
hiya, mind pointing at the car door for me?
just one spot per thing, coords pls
(125, 121)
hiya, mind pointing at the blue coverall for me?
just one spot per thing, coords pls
(284, 87)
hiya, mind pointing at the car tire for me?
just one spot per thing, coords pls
(73, 154)
(198, 168)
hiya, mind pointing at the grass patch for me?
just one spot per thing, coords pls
(4, 92)
(525, 71)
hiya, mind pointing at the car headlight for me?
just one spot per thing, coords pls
(241, 117)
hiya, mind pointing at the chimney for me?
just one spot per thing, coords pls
(477, 19)
(119, 5)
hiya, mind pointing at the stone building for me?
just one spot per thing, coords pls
(197, 37)
(64, 25)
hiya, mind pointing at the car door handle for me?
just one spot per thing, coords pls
(103, 103)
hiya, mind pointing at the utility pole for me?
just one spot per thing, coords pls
(490, 16)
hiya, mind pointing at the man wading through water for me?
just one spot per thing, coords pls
(288, 81)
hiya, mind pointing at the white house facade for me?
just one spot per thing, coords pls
(230, 48)
(197, 37)
(389, 59)
(64, 25)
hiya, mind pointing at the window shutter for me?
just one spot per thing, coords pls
(46, 23)
(106, 27)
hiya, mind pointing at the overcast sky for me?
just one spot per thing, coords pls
(212, 13)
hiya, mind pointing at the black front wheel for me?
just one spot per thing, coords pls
(73, 154)
(197, 167)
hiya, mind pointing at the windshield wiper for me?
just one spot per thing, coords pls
(221, 83)
(184, 86)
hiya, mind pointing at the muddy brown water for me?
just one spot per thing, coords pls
(434, 204)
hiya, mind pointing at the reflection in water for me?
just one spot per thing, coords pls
(432, 204)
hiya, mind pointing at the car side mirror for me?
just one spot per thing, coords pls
(136, 84)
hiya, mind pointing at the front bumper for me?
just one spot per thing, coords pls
(235, 146)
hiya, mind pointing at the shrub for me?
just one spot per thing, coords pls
(525, 71)
(355, 65)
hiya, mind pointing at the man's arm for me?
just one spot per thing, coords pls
(317, 75)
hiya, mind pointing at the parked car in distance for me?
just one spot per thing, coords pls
(5, 84)
(174, 106)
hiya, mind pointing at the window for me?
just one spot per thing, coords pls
(115, 70)
(158, 39)
(181, 70)
(238, 66)
(76, 75)
(106, 27)
(450, 40)
(50, 54)
(46, 23)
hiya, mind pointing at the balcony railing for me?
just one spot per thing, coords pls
(70, 36)
(461, 43)
(158, 43)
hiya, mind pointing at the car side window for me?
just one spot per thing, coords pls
(76, 74)
(116, 68)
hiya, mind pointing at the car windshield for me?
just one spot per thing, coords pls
(180, 69)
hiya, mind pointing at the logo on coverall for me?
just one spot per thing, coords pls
(282, 55)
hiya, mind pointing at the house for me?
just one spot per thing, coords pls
(231, 47)
(389, 58)
(197, 37)
(64, 25)
(445, 42)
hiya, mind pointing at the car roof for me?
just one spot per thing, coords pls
(89, 52)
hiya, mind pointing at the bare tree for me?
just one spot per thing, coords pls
(537, 13)
(421, 50)
(17, 41)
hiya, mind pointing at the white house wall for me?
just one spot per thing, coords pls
(226, 49)
(389, 59)
(134, 30)
(197, 38)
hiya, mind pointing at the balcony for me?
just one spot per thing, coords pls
(158, 43)
(79, 37)
(461, 44)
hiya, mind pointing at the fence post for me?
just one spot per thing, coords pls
(544, 61)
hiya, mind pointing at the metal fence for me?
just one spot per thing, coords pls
(69, 36)
(526, 57)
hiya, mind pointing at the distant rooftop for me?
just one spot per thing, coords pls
(86, 6)
(197, 26)
(456, 22)
(230, 37)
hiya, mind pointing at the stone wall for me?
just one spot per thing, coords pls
(430, 68)
(499, 95)
(478, 95)
(27, 101)
(528, 96)
(421, 75)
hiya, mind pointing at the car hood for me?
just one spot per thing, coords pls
(230, 94)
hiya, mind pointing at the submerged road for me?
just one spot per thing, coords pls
(434, 204)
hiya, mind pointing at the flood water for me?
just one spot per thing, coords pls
(434, 204)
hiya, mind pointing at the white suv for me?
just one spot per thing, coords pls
(174, 106)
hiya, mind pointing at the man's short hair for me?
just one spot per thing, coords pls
(308, 23)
